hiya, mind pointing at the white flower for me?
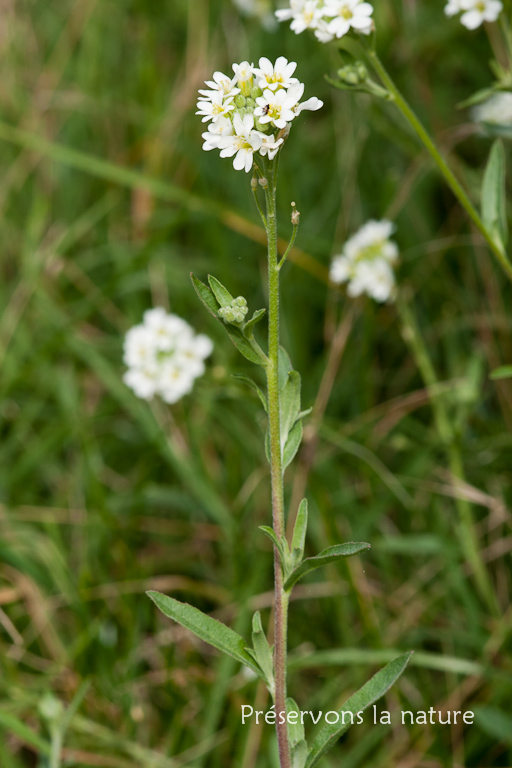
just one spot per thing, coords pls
(243, 143)
(453, 7)
(478, 11)
(497, 110)
(222, 127)
(214, 106)
(296, 6)
(277, 107)
(243, 119)
(306, 17)
(322, 32)
(164, 356)
(275, 75)
(348, 14)
(222, 83)
(366, 262)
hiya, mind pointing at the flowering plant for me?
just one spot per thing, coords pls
(329, 19)
(251, 112)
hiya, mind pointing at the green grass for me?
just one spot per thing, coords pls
(106, 204)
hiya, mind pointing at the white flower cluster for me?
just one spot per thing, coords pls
(251, 110)
(328, 18)
(366, 262)
(474, 12)
(496, 111)
(164, 356)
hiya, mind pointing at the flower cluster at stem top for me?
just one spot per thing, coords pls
(164, 356)
(366, 262)
(328, 18)
(251, 112)
(474, 12)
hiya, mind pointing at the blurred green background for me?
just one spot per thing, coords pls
(106, 204)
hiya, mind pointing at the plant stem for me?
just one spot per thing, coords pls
(468, 536)
(276, 470)
(441, 163)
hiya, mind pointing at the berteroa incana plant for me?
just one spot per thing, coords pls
(249, 116)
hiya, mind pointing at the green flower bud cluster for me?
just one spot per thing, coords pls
(234, 312)
(353, 74)
(245, 105)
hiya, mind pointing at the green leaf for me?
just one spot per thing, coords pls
(284, 366)
(250, 352)
(282, 546)
(24, 733)
(249, 326)
(477, 98)
(252, 384)
(299, 754)
(292, 444)
(210, 630)
(262, 651)
(290, 406)
(505, 372)
(206, 296)
(494, 213)
(329, 555)
(295, 730)
(495, 722)
(222, 294)
(361, 700)
(299, 533)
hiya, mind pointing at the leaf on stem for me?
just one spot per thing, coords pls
(292, 444)
(299, 533)
(262, 651)
(329, 555)
(252, 384)
(505, 372)
(206, 296)
(249, 326)
(298, 744)
(222, 294)
(210, 630)
(494, 213)
(361, 700)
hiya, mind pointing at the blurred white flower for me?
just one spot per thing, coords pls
(474, 12)
(164, 356)
(366, 262)
(252, 112)
(497, 110)
(328, 18)
(259, 9)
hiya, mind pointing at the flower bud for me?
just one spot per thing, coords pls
(353, 74)
(240, 101)
(250, 103)
(254, 184)
(263, 127)
(256, 93)
(263, 183)
(295, 216)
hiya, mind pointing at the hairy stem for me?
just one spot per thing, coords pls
(441, 163)
(276, 469)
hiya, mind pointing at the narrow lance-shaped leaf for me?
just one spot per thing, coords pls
(299, 533)
(250, 352)
(222, 294)
(249, 326)
(505, 372)
(292, 444)
(361, 700)
(252, 384)
(206, 295)
(298, 744)
(210, 630)
(290, 405)
(261, 651)
(329, 555)
(494, 213)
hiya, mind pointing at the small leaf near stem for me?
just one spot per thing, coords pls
(329, 555)
(254, 189)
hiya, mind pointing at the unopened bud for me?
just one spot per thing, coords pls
(250, 103)
(353, 74)
(295, 216)
(263, 127)
(263, 182)
(239, 101)
(234, 312)
(254, 184)
(256, 93)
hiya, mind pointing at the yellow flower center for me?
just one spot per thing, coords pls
(346, 12)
